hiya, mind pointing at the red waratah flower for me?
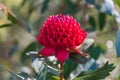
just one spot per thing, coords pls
(59, 34)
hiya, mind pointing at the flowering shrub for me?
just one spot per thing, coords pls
(64, 54)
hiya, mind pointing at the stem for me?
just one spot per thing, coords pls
(61, 71)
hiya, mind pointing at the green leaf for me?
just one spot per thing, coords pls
(52, 70)
(95, 50)
(98, 74)
(92, 22)
(71, 7)
(12, 18)
(45, 6)
(45, 74)
(18, 77)
(21, 76)
(25, 75)
(102, 20)
(69, 67)
(30, 47)
(6, 25)
(117, 2)
(77, 58)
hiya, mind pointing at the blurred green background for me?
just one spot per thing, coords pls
(16, 40)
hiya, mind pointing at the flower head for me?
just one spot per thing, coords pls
(59, 34)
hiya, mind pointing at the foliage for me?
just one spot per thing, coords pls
(97, 17)
(100, 73)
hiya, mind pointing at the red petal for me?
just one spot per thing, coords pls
(62, 55)
(47, 51)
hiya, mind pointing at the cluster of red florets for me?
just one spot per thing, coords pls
(59, 33)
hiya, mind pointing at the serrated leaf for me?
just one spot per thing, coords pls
(102, 20)
(77, 58)
(69, 67)
(89, 65)
(118, 43)
(117, 2)
(45, 6)
(12, 18)
(30, 47)
(100, 73)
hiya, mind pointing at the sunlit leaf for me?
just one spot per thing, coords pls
(26, 76)
(118, 43)
(87, 43)
(90, 65)
(44, 71)
(46, 74)
(98, 74)
(37, 65)
(33, 54)
(75, 72)
(21, 76)
(52, 70)
(18, 77)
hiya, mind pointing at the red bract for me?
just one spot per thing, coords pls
(59, 34)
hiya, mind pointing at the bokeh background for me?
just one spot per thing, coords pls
(97, 17)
